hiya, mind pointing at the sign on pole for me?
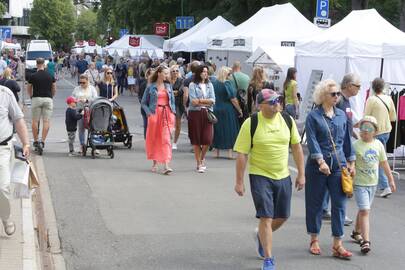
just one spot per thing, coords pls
(5, 34)
(184, 22)
(322, 8)
(162, 29)
(123, 32)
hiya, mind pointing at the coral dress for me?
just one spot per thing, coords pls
(158, 143)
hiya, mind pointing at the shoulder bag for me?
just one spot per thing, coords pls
(346, 178)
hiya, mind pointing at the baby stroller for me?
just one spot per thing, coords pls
(99, 135)
(120, 127)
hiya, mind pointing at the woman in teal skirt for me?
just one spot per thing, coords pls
(227, 110)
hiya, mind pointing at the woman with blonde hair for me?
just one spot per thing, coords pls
(177, 84)
(227, 111)
(107, 87)
(329, 145)
(8, 81)
(258, 82)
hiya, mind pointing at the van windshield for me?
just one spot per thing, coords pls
(33, 55)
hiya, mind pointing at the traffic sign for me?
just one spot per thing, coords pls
(322, 8)
(184, 22)
(322, 22)
(123, 32)
(5, 34)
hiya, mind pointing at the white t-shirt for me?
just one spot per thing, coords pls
(203, 87)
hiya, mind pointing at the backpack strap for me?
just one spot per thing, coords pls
(288, 120)
(253, 126)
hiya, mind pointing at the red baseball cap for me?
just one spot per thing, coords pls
(70, 100)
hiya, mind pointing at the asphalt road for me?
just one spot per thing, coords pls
(116, 214)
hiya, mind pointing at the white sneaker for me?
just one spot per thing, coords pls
(200, 169)
(174, 146)
(9, 227)
(203, 165)
(386, 192)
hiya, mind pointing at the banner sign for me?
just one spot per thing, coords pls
(184, 22)
(92, 42)
(135, 41)
(217, 42)
(287, 43)
(5, 34)
(240, 42)
(308, 101)
(162, 29)
(322, 9)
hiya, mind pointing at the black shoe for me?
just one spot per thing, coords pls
(42, 145)
(35, 144)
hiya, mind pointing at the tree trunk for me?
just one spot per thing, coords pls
(402, 16)
(359, 4)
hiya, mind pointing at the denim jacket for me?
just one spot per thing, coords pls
(195, 92)
(149, 99)
(318, 138)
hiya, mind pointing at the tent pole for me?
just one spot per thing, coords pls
(382, 67)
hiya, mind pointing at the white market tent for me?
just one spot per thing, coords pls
(276, 58)
(197, 41)
(137, 45)
(168, 44)
(356, 44)
(86, 48)
(275, 26)
(11, 46)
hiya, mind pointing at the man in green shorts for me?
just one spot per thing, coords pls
(267, 146)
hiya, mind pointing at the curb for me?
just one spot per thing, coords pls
(29, 258)
(49, 218)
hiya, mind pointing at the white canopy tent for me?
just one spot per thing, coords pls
(84, 47)
(355, 44)
(197, 41)
(275, 26)
(11, 46)
(168, 44)
(137, 45)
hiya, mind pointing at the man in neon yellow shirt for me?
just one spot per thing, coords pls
(269, 176)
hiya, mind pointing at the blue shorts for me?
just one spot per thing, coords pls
(272, 198)
(364, 196)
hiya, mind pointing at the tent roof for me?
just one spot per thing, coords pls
(150, 44)
(268, 27)
(197, 41)
(361, 33)
(277, 58)
(168, 44)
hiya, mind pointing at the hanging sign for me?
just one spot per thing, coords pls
(135, 41)
(162, 29)
(92, 42)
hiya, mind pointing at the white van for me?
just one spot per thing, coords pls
(36, 49)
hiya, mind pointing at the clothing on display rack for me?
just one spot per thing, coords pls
(399, 101)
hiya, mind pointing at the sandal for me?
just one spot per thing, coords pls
(154, 168)
(167, 171)
(356, 236)
(365, 247)
(341, 253)
(312, 250)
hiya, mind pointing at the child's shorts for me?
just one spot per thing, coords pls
(364, 196)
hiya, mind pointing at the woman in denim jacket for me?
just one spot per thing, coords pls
(159, 106)
(322, 170)
(200, 130)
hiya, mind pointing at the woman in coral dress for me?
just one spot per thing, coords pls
(159, 105)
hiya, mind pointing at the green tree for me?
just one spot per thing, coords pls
(86, 27)
(53, 20)
(2, 7)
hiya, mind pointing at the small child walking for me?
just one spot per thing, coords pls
(370, 154)
(72, 116)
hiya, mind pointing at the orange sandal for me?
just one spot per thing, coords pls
(312, 250)
(341, 253)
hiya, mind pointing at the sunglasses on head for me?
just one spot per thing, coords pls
(335, 94)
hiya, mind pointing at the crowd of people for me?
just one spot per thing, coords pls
(227, 110)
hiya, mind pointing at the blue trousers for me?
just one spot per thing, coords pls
(316, 186)
(382, 178)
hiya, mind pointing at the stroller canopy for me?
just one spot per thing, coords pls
(100, 114)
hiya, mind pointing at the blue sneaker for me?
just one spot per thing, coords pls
(260, 250)
(268, 264)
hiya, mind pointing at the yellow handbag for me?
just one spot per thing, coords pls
(346, 178)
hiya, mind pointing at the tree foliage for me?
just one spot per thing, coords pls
(86, 27)
(2, 7)
(53, 20)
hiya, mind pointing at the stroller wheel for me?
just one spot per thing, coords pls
(128, 143)
(112, 154)
(84, 150)
(93, 153)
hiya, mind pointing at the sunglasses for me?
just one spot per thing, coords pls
(82, 82)
(175, 71)
(357, 85)
(335, 94)
(367, 127)
(109, 73)
(274, 101)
